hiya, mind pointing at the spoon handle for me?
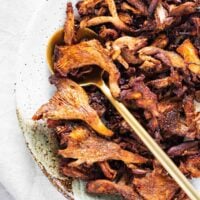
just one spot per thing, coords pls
(155, 149)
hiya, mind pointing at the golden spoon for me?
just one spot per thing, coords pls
(95, 78)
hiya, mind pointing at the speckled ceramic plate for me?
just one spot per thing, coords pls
(33, 89)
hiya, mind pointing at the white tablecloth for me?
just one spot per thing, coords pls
(20, 178)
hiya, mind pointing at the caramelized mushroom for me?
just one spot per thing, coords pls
(70, 102)
(87, 6)
(124, 44)
(108, 187)
(126, 7)
(108, 33)
(183, 9)
(161, 41)
(143, 96)
(126, 18)
(152, 6)
(156, 185)
(107, 171)
(138, 4)
(162, 17)
(69, 25)
(114, 19)
(161, 83)
(155, 55)
(71, 57)
(186, 148)
(190, 55)
(191, 166)
(93, 149)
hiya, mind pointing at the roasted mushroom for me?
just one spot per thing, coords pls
(143, 96)
(156, 185)
(138, 4)
(156, 56)
(70, 102)
(161, 41)
(69, 25)
(70, 57)
(108, 187)
(190, 55)
(191, 166)
(126, 45)
(114, 19)
(163, 20)
(96, 150)
(87, 6)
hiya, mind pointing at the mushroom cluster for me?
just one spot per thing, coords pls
(150, 53)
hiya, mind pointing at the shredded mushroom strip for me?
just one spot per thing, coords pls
(69, 25)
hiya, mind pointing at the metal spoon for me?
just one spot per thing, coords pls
(95, 78)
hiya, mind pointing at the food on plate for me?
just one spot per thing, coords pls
(71, 102)
(150, 53)
(69, 57)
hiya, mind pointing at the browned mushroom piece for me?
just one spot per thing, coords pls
(69, 25)
(108, 187)
(83, 172)
(189, 109)
(197, 119)
(108, 33)
(152, 6)
(160, 83)
(114, 19)
(138, 4)
(196, 21)
(161, 41)
(142, 95)
(101, 11)
(172, 123)
(62, 132)
(190, 55)
(132, 43)
(191, 166)
(71, 57)
(184, 149)
(126, 45)
(152, 66)
(156, 185)
(183, 9)
(130, 57)
(126, 7)
(197, 96)
(163, 20)
(107, 171)
(70, 102)
(157, 55)
(87, 6)
(75, 172)
(126, 18)
(181, 196)
(93, 149)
